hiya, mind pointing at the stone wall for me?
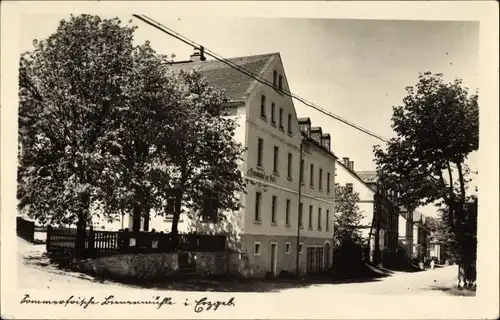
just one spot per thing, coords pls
(157, 265)
(138, 266)
(211, 263)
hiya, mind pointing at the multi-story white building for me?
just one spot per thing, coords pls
(265, 230)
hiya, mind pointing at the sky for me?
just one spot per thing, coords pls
(356, 69)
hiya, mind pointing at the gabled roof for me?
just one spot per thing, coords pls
(220, 75)
(354, 174)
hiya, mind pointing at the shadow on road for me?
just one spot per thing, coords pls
(455, 291)
(232, 284)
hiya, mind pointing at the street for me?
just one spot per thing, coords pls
(35, 272)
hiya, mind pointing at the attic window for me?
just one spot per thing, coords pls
(280, 82)
(349, 187)
(275, 78)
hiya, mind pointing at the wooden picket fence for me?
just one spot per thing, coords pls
(62, 241)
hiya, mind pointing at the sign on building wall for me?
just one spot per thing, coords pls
(261, 175)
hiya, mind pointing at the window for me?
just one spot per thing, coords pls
(256, 249)
(273, 107)
(289, 168)
(289, 124)
(327, 227)
(320, 182)
(273, 209)
(311, 176)
(210, 207)
(263, 106)
(310, 217)
(319, 218)
(260, 152)
(276, 159)
(301, 245)
(301, 207)
(280, 82)
(328, 182)
(258, 201)
(280, 119)
(287, 212)
(288, 247)
(275, 78)
(349, 187)
(301, 170)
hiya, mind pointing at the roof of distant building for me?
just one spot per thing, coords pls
(367, 176)
(356, 175)
(220, 75)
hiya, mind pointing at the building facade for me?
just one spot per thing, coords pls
(385, 222)
(421, 238)
(347, 177)
(265, 230)
(405, 232)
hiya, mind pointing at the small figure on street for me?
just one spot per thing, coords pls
(432, 264)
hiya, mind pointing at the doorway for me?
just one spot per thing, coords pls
(274, 253)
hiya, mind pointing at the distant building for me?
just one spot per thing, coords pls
(405, 232)
(421, 237)
(264, 230)
(386, 218)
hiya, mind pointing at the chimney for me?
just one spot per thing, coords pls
(346, 161)
(351, 165)
(198, 54)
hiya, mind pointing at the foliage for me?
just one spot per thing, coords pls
(68, 103)
(201, 154)
(105, 128)
(348, 218)
(437, 127)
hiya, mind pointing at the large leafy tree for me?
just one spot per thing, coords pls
(139, 140)
(347, 222)
(72, 87)
(201, 158)
(437, 128)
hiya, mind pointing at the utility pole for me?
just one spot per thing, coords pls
(298, 206)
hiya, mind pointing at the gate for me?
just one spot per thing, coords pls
(314, 259)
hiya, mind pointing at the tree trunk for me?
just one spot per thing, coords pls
(175, 220)
(146, 218)
(81, 226)
(136, 220)
(466, 274)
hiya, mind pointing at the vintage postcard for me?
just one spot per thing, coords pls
(253, 160)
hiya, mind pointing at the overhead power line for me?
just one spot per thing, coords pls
(254, 76)
(218, 57)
